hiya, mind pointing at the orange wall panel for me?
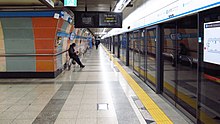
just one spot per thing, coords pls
(44, 46)
(45, 66)
(44, 22)
(44, 34)
(49, 32)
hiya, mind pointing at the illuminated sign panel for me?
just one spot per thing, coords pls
(70, 2)
(212, 42)
(110, 19)
(98, 19)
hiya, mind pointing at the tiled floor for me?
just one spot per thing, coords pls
(73, 97)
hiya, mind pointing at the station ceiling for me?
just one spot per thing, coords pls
(91, 5)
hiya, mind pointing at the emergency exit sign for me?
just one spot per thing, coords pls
(70, 2)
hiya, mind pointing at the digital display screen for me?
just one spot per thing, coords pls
(212, 42)
(92, 19)
(83, 20)
(110, 19)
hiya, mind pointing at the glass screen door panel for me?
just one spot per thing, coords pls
(180, 62)
(142, 56)
(116, 45)
(123, 48)
(209, 85)
(136, 53)
(131, 49)
(186, 67)
(150, 35)
(169, 53)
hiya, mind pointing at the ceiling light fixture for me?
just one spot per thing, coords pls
(121, 5)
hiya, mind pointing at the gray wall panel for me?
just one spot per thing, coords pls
(21, 64)
(19, 38)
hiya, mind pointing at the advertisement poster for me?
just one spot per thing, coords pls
(212, 42)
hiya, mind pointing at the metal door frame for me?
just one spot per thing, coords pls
(159, 64)
(119, 45)
(113, 39)
(142, 39)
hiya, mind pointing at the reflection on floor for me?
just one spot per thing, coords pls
(74, 97)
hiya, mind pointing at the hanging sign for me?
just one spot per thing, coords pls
(70, 3)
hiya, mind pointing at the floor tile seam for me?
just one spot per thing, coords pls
(126, 75)
(47, 105)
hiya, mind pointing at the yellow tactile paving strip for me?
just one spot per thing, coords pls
(204, 117)
(158, 115)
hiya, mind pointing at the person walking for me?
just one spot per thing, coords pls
(97, 42)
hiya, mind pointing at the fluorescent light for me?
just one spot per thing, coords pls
(104, 31)
(121, 5)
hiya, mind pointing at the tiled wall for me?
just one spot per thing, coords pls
(18, 38)
(36, 37)
(32, 35)
(44, 30)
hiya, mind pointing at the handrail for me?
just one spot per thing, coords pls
(21, 54)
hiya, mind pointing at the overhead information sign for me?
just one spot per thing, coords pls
(212, 42)
(93, 19)
(70, 3)
(109, 19)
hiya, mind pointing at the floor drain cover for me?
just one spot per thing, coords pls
(102, 106)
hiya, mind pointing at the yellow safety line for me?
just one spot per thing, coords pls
(204, 117)
(158, 115)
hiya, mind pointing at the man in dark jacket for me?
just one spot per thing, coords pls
(74, 55)
(97, 42)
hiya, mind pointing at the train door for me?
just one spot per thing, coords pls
(151, 39)
(123, 39)
(139, 54)
(209, 68)
(180, 45)
(117, 46)
(113, 45)
(136, 52)
(109, 43)
(142, 52)
(131, 49)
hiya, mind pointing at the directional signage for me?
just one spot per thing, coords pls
(70, 2)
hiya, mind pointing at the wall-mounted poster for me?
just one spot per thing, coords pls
(212, 42)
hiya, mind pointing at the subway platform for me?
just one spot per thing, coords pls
(104, 92)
